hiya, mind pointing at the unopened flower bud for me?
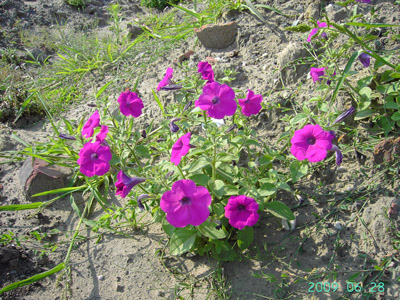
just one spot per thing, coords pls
(344, 115)
(67, 137)
(187, 105)
(143, 134)
(171, 87)
(338, 154)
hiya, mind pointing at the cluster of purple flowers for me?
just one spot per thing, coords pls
(188, 204)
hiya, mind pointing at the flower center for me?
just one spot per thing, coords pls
(247, 101)
(215, 100)
(311, 140)
(241, 207)
(94, 156)
(186, 201)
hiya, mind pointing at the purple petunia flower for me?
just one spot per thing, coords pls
(241, 211)
(251, 105)
(94, 159)
(218, 100)
(315, 30)
(206, 71)
(130, 104)
(166, 80)
(311, 143)
(186, 204)
(90, 125)
(364, 1)
(101, 136)
(180, 148)
(365, 59)
(317, 73)
(125, 183)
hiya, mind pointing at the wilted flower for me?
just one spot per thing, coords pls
(171, 87)
(186, 204)
(251, 105)
(232, 127)
(365, 59)
(218, 100)
(180, 148)
(311, 143)
(241, 211)
(125, 183)
(94, 159)
(344, 115)
(166, 80)
(172, 126)
(143, 134)
(206, 71)
(66, 137)
(100, 137)
(315, 30)
(130, 104)
(91, 124)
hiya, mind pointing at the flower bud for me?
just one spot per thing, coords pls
(344, 115)
(67, 137)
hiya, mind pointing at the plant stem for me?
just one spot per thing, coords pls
(214, 171)
(180, 170)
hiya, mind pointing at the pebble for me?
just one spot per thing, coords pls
(101, 277)
(338, 225)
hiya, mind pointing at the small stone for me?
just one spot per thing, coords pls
(134, 31)
(101, 277)
(292, 51)
(336, 12)
(13, 263)
(386, 150)
(217, 36)
(338, 225)
(7, 254)
(38, 176)
(120, 288)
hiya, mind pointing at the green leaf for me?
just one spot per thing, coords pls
(142, 151)
(365, 92)
(225, 157)
(208, 229)
(200, 179)
(231, 190)
(199, 164)
(280, 210)
(168, 228)
(16, 207)
(298, 170)
(364, 114)
(301, 117)
(267, 189)
(182, 240)
(395, 75)
(32, 279)
(245, 237)
(217, 187)
(396, 116)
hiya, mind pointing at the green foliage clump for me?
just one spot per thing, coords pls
(77, 3)
(160, 4)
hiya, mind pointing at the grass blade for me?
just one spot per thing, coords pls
(188, 11)
(158, 102)
(102, 89)
(23, 106)
(371, 25)
(254, 10)
(66, 189)
(16, 207)
(273, 9)
(345, 72)
(32, 279)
